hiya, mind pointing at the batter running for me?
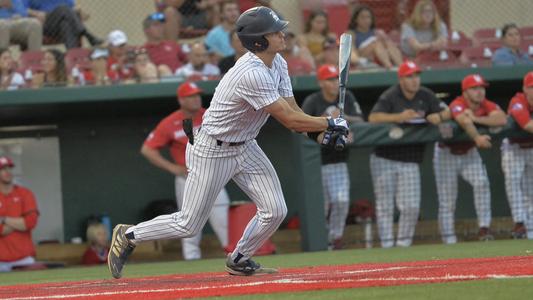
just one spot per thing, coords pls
(225, 148)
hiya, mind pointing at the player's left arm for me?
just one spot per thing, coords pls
(494, 118)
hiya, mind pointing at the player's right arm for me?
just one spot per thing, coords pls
(295, 119)
(155, 157)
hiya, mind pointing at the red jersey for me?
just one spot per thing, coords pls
(123, 72)
(166, 53)
(521, 111)
(169, 132)
(93, 256)
(20, 202)
(457, 107)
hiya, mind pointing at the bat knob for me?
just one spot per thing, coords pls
(339, 144)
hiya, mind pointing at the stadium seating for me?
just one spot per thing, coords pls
(485, 35)
(458, 41)
(437, 59)
(479, 56)
(526, 32)
(77, 57)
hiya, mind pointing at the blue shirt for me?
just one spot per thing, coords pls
(218, 40)
(504, 56)
(47, 5)
(17, 8)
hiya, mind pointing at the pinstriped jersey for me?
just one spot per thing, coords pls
(236, 112)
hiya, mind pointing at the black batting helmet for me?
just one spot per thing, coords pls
(254, 24)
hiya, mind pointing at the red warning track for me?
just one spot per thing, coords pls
(287, 280)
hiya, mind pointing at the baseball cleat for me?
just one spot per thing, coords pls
(485, 234)
(119, 251)
(519, 231)
(246, 268)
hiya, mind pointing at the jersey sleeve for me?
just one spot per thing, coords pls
(519, 113)
(491, 106)
(257, 88)
(30, 213)
(457, 108)
(285, 87)
(159, 137)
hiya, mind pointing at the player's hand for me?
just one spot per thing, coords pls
(408, 114)
(483, 141)
(178, 170)
(337, 125)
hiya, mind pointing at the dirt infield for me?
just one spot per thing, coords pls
(293, 280)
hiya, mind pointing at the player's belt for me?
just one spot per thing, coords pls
(220, 143)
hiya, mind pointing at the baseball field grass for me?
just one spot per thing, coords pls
(512, 287)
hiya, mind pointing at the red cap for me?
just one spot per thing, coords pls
(473, 80)
(528, 79)
(327, 72)
(6, 162)
(407, 68)
(188, 89)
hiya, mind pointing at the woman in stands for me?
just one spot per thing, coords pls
(510, 54)
(316, 32)
(9, 79)
(372, 43)
(53, 72)
(424, 31)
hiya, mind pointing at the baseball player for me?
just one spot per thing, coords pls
(451, 160)
(225, 148)
(335, 178)
(169, 132)
(395, 171)
(517, 162)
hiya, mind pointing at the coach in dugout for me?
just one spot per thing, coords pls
(18, 217)
(395, 169)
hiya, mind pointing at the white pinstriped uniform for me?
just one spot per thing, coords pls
(235, 115)
(448, 167)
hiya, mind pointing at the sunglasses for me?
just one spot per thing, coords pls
(157, 17)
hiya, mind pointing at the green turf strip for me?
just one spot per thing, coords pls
(423, 252)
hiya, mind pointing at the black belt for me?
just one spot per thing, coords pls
(219, 143)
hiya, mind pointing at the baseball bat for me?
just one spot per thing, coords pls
(345, 50)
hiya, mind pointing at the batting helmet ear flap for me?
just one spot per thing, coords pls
(261, 44)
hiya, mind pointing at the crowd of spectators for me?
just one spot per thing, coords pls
(192, 39)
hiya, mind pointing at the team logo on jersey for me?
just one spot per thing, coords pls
(457, 108)
(179, 134)
(517, 106)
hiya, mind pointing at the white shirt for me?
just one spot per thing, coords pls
(236, 112)
(16, 81)
(188, 70)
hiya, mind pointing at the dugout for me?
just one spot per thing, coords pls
(100, 130)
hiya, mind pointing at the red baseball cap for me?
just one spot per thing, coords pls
(528, 79)
(407, 68)
(327, 72)
(473, 80)
(6, 162)
(188, 89)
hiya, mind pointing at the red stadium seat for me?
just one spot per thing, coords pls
(526, 32)
(478, 56)
(30, 63)
(484, 35)
(458, 41)
(444, 59)
(77, 57)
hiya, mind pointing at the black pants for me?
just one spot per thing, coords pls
(65, 25)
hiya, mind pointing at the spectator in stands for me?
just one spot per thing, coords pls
(299, 60)
(217, 40)
(186, 18)
(335, 177)
(247, 4)
(145, 70)
(198, 68)
(517, 162)
(424, 31)
(371, 43)
(53, 71)
(98, 74)
(96, 252)
(18, 217)
(120, 56)
(510, 54)
(17, 28)
(62, 20)
(395, 168)
(167, 55)
(229, 61)
(316, 32)
(9, 79)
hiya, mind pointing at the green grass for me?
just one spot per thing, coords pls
(485, 289)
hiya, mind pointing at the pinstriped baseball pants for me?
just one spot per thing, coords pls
(517, 165)
(218, 219)
(400, 181)
(448, 167)
(336, 185)
(210, 168)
